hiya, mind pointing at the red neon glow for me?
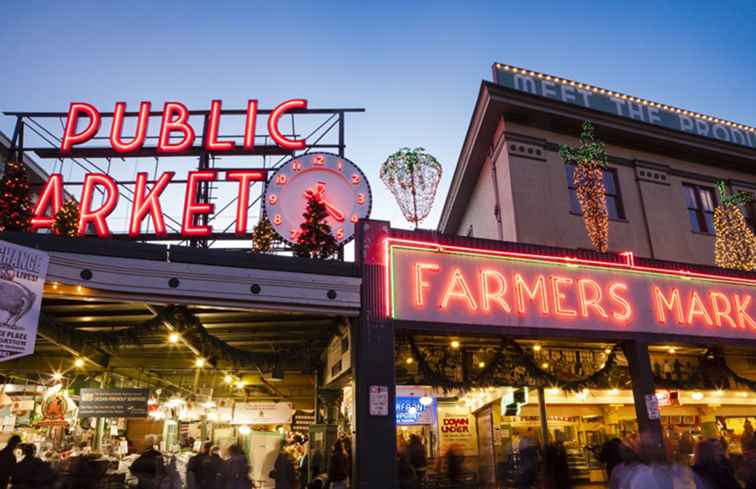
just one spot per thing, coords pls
(697, 308)
(141, 129)
(70, 136)
(592, 301)
(213, 126)
(729, 279)
(614, 295)
(150, 203)
(496, 295)
(97, 217)
(52, 194)
(245, 178)
(721, 308)
(251, 124)
(457, 288)
(559, 296)
(744, 319)
(275, 133)
(420, 283)
(673, 304)
(175, 119)
(522, 290)
(192, 208)
(319, 195)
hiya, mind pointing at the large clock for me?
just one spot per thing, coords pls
(335, 181)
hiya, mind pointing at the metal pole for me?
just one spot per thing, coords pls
(100, 428)
(542, 414)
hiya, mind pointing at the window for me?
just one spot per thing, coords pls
(701, 203)
(611, 191)
(749, 214)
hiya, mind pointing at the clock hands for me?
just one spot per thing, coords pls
(319, 195)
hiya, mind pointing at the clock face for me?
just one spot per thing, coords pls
(334, 180)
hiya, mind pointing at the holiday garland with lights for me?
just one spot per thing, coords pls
(262, 236)
(590, 161)
(67, 220)
(315, 239)
(734, 242)
(15, 199)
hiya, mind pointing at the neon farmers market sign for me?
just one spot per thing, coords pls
(332, 179)
(436, 283)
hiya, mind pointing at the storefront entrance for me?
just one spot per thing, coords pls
(506, 365)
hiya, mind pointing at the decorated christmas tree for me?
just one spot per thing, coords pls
(734, 242)
(315, 239)
(15, 200)
(590, 161)
(263, 236)
(67, 220)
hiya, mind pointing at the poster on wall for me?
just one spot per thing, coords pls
(262, 413)
(22, 278)
(456, 427)
(410, 411)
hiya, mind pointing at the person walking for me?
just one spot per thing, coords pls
(338, 470)
(32, 472)
(148, 468)
(236, 469)
(193, 477)
(711, 469)
(283, 469)
(211, 470)
(8, 460)
(417, 458)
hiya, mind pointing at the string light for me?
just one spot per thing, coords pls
(697, 396)
(78, 363)
(734, 242)
(199, 362)
(173, 338)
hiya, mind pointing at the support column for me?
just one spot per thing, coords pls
(542, 415)
(374, 451)
(642, 375)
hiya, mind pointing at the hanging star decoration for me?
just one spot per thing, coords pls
(412, 176)
(15, 199)
(262, 236)
(67, 220)
(590, 159)
(734, 242)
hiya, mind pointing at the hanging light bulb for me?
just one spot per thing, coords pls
(173, 338)
(481, 364)
(199, 362)
(57, 376)
(78, 363)
(536, 347)
(455, 344)
(228, 379)
(426, 400)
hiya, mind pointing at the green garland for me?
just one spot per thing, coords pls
(509, 356)
(712, 372)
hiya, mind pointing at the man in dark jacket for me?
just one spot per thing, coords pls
(211, 470)
(193, 475)
(8, 460)
(32, 472)
(148, 468)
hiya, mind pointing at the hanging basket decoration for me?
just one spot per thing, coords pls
(590, 160)
(412, 176)
(734, 242)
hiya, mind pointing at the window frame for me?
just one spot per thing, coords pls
(700, 211)
(617, 195)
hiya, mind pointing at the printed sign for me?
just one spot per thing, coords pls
(434, 283)
(22, 277)
(379, 400)
(262, 413)
(302, 421)
(113, 403)
(409, 410)
(652, 407)
(596, 98)
(457, 430)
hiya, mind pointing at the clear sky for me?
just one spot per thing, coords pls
(415, 66)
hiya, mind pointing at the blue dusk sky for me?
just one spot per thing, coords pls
(416, 67)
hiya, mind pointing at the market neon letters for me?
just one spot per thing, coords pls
(83, 122)
(430, 284)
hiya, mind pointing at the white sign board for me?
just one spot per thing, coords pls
(379, 401)
(262, 413)
(652, 407)
(22, 278)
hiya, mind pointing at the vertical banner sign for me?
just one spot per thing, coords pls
(22, 277)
